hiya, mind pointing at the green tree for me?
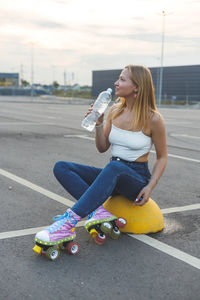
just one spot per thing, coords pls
(55, 84)
(24, 82)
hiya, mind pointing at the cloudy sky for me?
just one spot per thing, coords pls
(84, 35)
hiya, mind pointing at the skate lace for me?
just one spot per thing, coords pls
(91, 214)
(61, 220)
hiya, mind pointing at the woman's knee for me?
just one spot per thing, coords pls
(59, 167)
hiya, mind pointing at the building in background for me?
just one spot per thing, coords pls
(9, 79)
(9, 86)
(180, 83)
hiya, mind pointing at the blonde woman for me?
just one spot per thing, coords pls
(132, 126)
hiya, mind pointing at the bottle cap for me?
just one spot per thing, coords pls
(109, 90)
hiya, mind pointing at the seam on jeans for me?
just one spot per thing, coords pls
(116, 179)
(132, 177)
(142, 182)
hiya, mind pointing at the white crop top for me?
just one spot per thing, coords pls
(129, 145)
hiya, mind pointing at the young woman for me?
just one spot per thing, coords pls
(132, 126)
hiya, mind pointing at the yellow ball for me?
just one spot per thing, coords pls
(140, 219)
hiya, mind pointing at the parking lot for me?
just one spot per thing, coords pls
(34, 135)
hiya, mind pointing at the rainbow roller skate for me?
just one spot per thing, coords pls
(58, 236)
(101, 223)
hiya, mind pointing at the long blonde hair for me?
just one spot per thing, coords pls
(145, 103)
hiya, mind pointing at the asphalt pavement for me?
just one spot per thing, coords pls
(34, 135)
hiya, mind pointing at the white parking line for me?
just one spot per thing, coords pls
(29, 231)
(171, 251)
(180, 208)
(152, 151)
(17, 123)
(191, 260)
(85, 137)
(70, 203)
(21, 113)
(24, 123)
(184, 135)
(181, 157)
(17, 233)
(37, 188)
(178, 254)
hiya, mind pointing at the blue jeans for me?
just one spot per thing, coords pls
(93, 186)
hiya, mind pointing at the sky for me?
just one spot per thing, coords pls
(79, 36)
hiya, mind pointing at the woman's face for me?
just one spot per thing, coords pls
(124, 87)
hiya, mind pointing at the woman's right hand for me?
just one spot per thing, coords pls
(89, 110)
(100, 119)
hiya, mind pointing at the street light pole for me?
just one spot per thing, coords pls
(161, 59)
(65, 82)
(32, 69)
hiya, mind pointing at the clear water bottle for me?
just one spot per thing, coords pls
(98, 109)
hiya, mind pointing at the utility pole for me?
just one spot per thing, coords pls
(161, 59)
(21, 76)
(164, 14)
(32, 70)
(65, 82)
(53, 73)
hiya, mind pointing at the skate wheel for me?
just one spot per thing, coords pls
(106, 227)
(115, 233)
(93, 233)
(121, 223)
(73, 248)
(100, 239)
(52, 253)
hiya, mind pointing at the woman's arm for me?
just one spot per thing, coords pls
(159, 140)
(102, 132)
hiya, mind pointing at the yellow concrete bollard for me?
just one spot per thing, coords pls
(140, 219)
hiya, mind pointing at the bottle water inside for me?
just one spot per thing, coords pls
(98, 109)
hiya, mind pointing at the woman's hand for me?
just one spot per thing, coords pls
(100, 119)
(144, 195)
(89, 110)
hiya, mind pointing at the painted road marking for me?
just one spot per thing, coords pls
(23, 123)
(3, 110)
(85, 137)
(180, 208)
(178, 254)
(189, 259)
(152, 151)
(178, 122)
(70, 203)
(36, 188)
(17, 233)
(171, 251)
(29, 231)
(180, 157)
(184, 135)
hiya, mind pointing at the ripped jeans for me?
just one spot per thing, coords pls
(93, 186)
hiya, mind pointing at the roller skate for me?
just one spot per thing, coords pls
(58, 236)
(102, 223)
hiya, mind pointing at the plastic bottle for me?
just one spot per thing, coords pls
(99, 107)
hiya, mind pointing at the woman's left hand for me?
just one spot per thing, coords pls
(144, 194)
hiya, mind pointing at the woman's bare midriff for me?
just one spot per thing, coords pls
(143, 158)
